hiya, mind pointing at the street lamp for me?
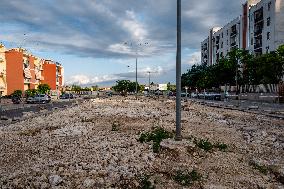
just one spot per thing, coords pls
(136, 60)
(178, 74)
(186, 88)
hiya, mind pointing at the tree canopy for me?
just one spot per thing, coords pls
(238, 64)
(124, 86)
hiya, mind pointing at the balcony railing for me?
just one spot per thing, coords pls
(1, 60)
(233, 33)
(257, 45)
(27, 80)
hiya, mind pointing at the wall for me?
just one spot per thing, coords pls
(49, 74)
(15, 75)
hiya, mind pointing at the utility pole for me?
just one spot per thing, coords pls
(149, 82)
(178, 74)
(136, 87)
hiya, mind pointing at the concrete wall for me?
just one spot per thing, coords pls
(15, 75)
(49, 74)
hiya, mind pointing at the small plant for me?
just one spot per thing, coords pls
(221, 146)
(156, 135)
(115, 126)
(261, 168)
(186, 178)
(204, 144)
(208, 146)
(145, 183)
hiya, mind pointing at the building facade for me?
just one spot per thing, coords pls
(259, 29)
(20, 70)
(266, 26)
(3, 80)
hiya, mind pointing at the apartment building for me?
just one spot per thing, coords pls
(20, 70)
(266, 26)
(260, 29)
(53, 75)
(3, 82)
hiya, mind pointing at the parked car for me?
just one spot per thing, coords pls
(16, 100)
(39, 98)
(67, 96)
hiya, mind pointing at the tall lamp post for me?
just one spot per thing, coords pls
(178, 74)
(136, 60)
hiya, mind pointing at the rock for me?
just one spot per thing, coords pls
(89, 183)
(55, 180)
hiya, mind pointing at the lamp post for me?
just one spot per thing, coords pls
(136, 60)
(178, 74)
(186, 88)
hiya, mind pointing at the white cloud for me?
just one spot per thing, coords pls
(194, 58)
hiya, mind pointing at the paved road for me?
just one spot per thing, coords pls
(17, 111)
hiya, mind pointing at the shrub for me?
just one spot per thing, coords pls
(204, 144)
(187, 178)
(156, 135)
(144, 182)
(221, 146)
(261, 168)
(115, 126)
(17, 93)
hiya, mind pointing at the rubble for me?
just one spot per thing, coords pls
(77, 147)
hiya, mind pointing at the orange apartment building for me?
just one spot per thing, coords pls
(20, 70)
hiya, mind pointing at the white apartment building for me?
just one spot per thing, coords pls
(266, 26)
(259, 29)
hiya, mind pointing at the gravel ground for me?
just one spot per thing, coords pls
(76, 148)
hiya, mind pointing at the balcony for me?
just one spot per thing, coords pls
(257, 45)
(41, 78)
(233, 33)
(1, 60)
(27, 81)
(258, 15)
(27, 73)
(233, 44)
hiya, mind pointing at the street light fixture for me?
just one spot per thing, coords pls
(136, 60)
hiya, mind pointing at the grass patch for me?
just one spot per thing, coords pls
(115, 126)
(208, 146)
(156, 135)
(261, 168)
(186, 178)
(144, 182)
(30, 132)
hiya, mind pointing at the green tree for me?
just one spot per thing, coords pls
(17, 93)
(76, 88)
(31, 92)
(95, 88)
(124, 86)
(43, 88)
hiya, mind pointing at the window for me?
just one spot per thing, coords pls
(227, 32)
(251, 41)
(268, 21)
(222, 45)
(227, 42)
(222, 34)
(269, 6)
(268, 35)
(267, 49)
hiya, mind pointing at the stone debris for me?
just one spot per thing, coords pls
(77, 147)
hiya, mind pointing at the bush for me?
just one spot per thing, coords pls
(17, 93)
(144, 182)
(187, 178)
(156, 135)
(204, 144)
(115, 126)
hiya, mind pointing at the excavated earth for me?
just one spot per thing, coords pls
(78, 147)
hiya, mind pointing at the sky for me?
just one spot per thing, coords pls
(98, 41)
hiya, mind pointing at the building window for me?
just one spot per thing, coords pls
(267, 49)
(222, 34)
(227, 42)
(227, 32)
(268, 35)
(268, 21)
(251, 41)
(222, 45)
(269, 6)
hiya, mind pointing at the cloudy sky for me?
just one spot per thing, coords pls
(97, 40)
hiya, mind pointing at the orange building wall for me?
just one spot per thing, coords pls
(14, 71)
(49, 74)
(32, 67)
